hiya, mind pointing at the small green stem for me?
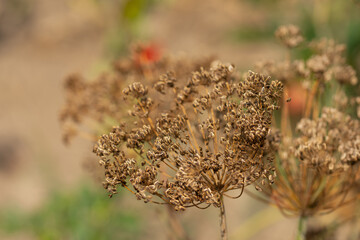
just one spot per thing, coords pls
(301, 229)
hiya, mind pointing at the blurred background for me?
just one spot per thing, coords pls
(46, 188)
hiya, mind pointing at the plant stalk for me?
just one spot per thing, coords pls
(176, 225)
(223, 228)
(310, 100)
(301, 229)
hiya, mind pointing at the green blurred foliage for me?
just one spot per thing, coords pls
(307, 25)
(84, 215)
(134, 10)
(353, 41)
(125, 25)
(336, 19)
(264, 33)
(263, 2)
(14, 14)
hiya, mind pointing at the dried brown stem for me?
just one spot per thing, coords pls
(190, 129)
(285, 114)
(311, 99)
(223, 228)
(176, 225)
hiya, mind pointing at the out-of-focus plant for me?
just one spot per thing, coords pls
(124, 23)
(84, 214)
(335, 19)
(317, 165)
(93, 107)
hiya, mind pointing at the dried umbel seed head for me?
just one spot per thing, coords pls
(318, 64)
(194, 143)
(325, 64)
(329, 62)
(318, 168)
(345, 75)
(94, 103)
(334, 51)
(330, 142)
(284, 71)
(92, 106)
(289, 35)
(273, 140)
(341, 101)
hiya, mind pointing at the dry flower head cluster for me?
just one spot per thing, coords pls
(196, 142)
(326, 63)
(317, 167)
(290, 35)
(93, 107)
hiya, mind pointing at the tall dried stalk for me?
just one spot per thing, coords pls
(223, 226)
(175, 225)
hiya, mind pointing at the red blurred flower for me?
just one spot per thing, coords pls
(146, 54)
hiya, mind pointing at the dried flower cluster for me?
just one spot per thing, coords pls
(208, 140)
(326, 63)
(284, 71)
(95, 106)
(331, 142)
(316, 168)
(329, 62)
(289, 35)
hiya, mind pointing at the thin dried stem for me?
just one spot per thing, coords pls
(285, 114)
(310, 101)
(176, 225)
(223, 227)
(190, 128)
